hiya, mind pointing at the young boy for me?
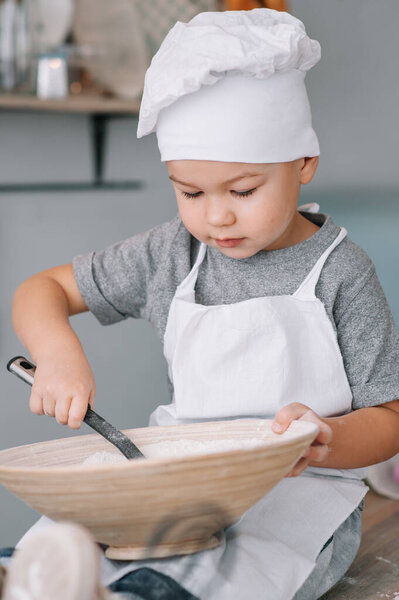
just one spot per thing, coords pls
(264, 310)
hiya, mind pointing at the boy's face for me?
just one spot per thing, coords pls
(241, 208)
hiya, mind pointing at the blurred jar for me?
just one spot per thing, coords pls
(8, 10)
(16, 67)
(29, 29)
(52, 76)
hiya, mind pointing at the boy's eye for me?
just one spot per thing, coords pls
(188, 195)
(241, 194)
(244, 194)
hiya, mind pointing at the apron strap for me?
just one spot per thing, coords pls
(306, 290)
(186, 288)
(312, 207)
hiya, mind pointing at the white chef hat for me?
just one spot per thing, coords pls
(229, 86)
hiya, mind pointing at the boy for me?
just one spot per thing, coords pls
(264, 310)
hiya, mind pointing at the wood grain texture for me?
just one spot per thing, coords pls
(374, 574)
(155, 506)
(84, 103)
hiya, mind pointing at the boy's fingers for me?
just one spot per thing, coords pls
(62, 411)
(77, 412)
(298, 467)
(36, 403)
(325, 434)
(49, 406)
(319, 453)
(91, 397)
(287, 414)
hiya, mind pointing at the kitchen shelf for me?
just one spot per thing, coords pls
(100, 110)
(82, 103)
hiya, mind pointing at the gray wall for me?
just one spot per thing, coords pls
(354, 90)
(354, 97)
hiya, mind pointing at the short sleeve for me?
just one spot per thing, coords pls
(121, 281)
(369, 342)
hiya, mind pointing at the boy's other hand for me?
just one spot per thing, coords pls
(63, 388)
(318, 450)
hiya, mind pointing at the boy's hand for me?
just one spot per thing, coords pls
(319, 449)
(63, 388)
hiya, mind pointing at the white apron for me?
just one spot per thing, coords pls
(250, 359)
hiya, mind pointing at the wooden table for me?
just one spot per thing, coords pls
(375, 573)
(100, 109)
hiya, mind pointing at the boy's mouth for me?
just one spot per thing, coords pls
(229, 242)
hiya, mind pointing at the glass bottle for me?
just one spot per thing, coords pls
(8, 10)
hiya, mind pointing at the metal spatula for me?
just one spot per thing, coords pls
(25, 370)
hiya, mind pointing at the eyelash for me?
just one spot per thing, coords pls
(240, 194)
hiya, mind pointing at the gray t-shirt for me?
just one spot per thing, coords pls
(138, 278)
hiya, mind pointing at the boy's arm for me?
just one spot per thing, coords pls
(42, 305)
(361, 438)
(364, 437)
(64, 383)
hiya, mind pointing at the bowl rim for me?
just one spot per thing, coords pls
(309, 428)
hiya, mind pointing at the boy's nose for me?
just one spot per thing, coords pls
(219, 212)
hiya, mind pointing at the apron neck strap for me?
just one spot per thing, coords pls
(186, 288)
(306, 290)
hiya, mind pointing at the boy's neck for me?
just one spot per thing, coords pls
(299, 230)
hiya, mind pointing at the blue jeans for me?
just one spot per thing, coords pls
(334, 559)
(147, 584)
(142, 584)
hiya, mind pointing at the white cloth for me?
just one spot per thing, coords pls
(255, 356)
(229, 86)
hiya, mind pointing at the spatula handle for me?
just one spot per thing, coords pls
(22, 368)
(25, 370)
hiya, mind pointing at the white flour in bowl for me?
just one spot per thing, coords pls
(99, 458)
(177, 449)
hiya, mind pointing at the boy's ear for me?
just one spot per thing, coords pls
(309, 169)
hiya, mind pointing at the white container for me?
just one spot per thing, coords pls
(52, 77)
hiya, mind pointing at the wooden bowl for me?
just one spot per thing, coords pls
(155, 507)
